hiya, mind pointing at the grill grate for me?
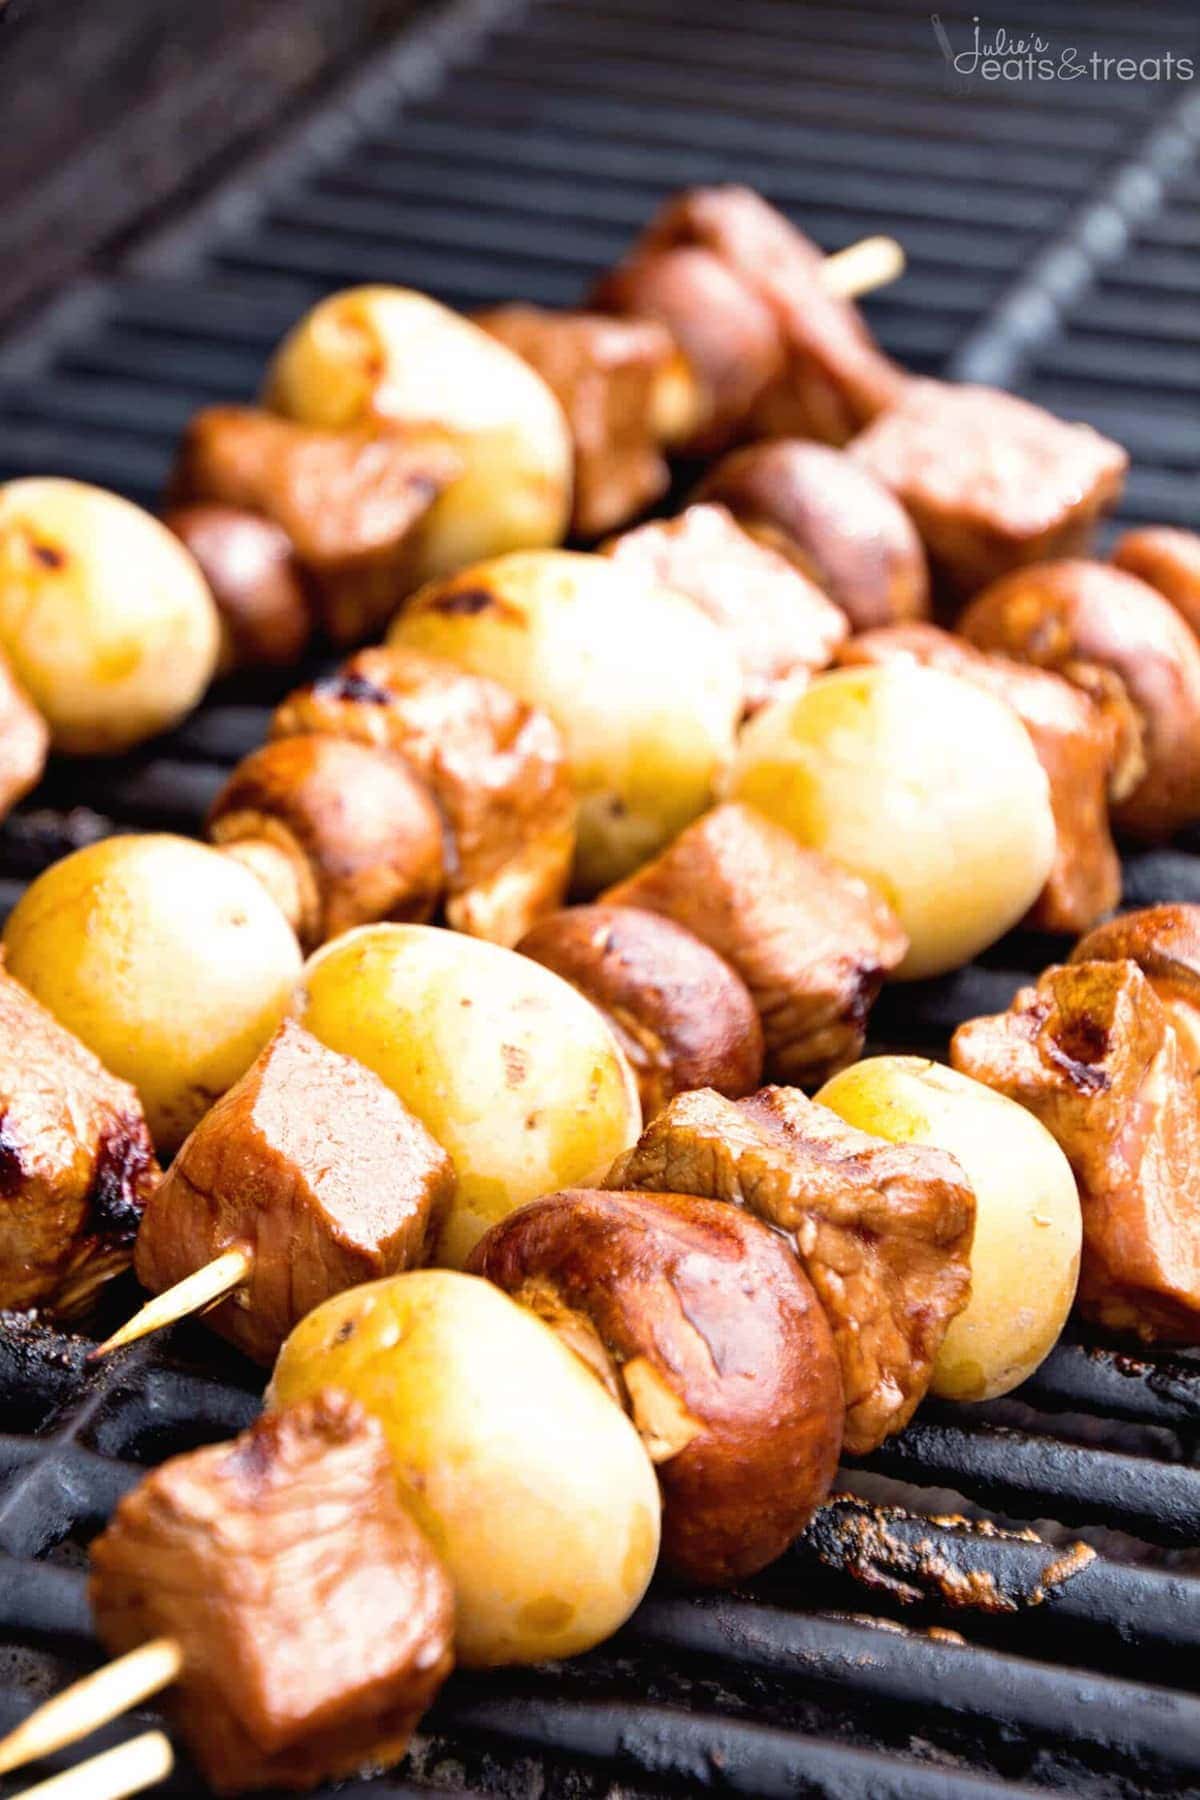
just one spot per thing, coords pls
(1005, 1600)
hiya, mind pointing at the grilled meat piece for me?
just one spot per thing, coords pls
(780, 624)
(315, 1620)
(1168, 560)
(24, 741)
(1114, 635)
(683, 1017)
(495, 766)
(710, 1335)
(315, 1166)
(1074, 741)
(811, 941)
(351, 501)
(808, 365)
(883, 1231)
(604, 372)
(1092, 1052)
(1164, 942)
(992, 482)
(76, 1163)
(247, 560)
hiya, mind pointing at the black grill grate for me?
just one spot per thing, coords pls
(1005, 1600)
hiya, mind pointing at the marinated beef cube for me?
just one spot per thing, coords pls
(76, 1163)
(811, 941)
(604, 373)
(24, 740)
(312, 1164)
(1075, 745)
(314, 1619)
(1092, 1052)
(351, 501)
(780, 623)
(883, 1230)
(495, 766)
(992, 482)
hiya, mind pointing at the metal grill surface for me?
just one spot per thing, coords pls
(1005, 1600)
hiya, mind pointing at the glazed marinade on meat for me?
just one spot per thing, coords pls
(883, 1231)
(76, 1162)
(315, 1621)
(311, 1163)
(811, 941)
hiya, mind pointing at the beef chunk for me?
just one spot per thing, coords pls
(811, 941)
(76, 1162)
(315, 1166)
(350, 501)
(495, 766)
(1075, 745)
(314, 1618)
(1092, 1052)
(24, 741)
(991, 481)
(883, 1230)
(1164, 942)
(817, 372)
(779, 622)
(604, 373)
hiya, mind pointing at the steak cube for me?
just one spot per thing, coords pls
(314, 1619)
(313, 1165)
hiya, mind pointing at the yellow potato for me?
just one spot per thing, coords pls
(1028, 1229)
(531, 1483)
(388, 354)
(104, 614)
(169, 961)
(512, 1070)
(920, 783)
(639, 682)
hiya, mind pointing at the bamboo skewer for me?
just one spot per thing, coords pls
(871, 263)
(113, 1774)
(94, 1701)
(195, 1292)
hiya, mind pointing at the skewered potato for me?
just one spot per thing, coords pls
(639, 682)
(1028, 1227)
(510, 1069)
(531, 1484)
(105, 616)
(920, 783)
(379, 355)
(169, 961)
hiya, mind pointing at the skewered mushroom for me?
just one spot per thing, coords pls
(1169, 560)
(247, 560)
(104, 615)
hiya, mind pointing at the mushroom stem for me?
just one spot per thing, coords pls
(209, 1284)
(277, 872)
(92, 1702)
(871, 263)
(128, 1769)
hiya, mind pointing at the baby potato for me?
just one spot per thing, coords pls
(389, 355)
(1028, 1228)
(105, 616)
(168, 959)
(511, 1070)
(923, 785)
(530, 1482)
(639, 681)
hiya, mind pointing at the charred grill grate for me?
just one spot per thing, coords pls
(1006, 1600)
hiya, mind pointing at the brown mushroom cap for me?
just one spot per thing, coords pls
(248, 563)
(358, 827)
(680, 1013)
(834, 520)
(1169, 559)
(1164, 941)
(718, 1345)
(1082, 617)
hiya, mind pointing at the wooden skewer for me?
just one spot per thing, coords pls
(860, 268)
(113, 1774)
(208, 1285)
(94, 1701)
